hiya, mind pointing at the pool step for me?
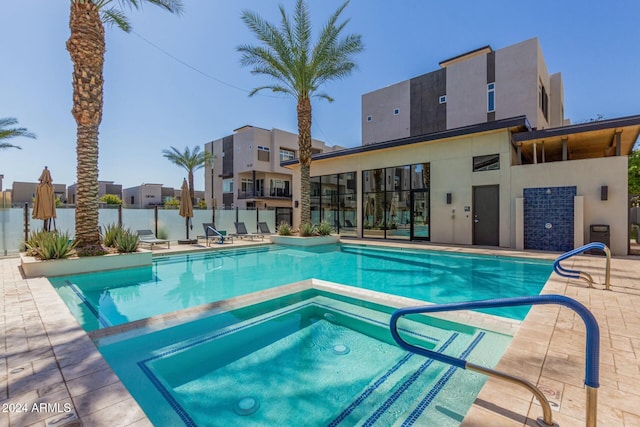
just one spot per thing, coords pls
(410, 394)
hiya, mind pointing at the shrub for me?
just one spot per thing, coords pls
(51, 245)
(163, 234)
(284, 229)
(110, 199)
(307, 229)
(324, 228)
(127, 241)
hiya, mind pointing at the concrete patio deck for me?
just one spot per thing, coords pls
(52, 374)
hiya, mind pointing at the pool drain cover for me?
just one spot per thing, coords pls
(246, 406)
(341, 349)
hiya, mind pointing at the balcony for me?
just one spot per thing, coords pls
(273, 193)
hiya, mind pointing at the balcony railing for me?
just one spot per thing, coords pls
(274, 193)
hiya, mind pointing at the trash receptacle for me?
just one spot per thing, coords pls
(599, 233)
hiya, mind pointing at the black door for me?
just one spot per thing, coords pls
(420, 215)
(486, 219)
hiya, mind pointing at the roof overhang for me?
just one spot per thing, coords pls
(515, 124)
(583, 141)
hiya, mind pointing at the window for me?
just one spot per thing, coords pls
(280, 188)
(491, 97)
(263, 153)
(369, 118)
(396, 111)
(227, 185)
(442, 99)
(544, 102)
(287, 155)
(247, 185)
(486, 163)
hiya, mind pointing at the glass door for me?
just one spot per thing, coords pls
(420, 215)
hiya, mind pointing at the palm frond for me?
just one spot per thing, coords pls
(4, 145)
(113, 16)
(7, 132)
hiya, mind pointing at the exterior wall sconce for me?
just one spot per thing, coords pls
(448, 198)
(604, 192)
(296, 204)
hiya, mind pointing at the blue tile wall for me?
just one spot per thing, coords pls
(549, 205)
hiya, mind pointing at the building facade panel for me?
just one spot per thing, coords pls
(379, 119)
(428, 108)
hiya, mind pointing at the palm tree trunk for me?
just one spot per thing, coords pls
(304, 145)
(191, 192)
(86, 48)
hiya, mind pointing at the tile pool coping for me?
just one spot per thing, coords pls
(48, 358)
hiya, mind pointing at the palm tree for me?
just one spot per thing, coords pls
(286, 55)
(86, 46)
(6, 132)
(191, 161)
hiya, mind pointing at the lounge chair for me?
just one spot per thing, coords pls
(148, 238)
(263, 228)
(348, 223)
(241, 232)
(213, 235)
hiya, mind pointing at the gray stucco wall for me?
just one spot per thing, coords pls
(380, 105)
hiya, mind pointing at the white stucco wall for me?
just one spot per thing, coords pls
(467, 92)
(517, 81)
(451, 172)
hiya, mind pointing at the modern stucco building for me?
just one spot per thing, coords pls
(478, 153)
(478, 86)
(25, 192)
(246, 171)
(104, 187)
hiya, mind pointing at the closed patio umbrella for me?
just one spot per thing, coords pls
(44, 205)
(186, 206)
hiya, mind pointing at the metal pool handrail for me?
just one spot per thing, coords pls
(575, 274)
(592, 366)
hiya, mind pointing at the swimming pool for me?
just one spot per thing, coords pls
(307, 359)
(105, 299)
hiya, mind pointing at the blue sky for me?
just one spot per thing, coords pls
(152, 101)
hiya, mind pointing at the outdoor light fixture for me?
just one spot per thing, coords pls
(604, 192)
(296, 204)
(448, 198)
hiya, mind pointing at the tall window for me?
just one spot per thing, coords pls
(491, 97)
(544, 102)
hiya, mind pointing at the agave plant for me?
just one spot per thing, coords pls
(127, 241)
(324, 228)
(110, 233)
(284, 229)
(307, 229)
(51, 245)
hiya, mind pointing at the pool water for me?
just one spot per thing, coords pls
(104, 299)
(308, 359)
